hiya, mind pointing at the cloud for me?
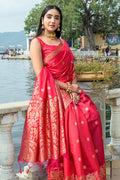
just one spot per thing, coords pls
(13, 14)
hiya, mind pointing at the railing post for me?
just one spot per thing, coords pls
(7, 154)
(113, 99)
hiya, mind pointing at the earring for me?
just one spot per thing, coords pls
(58, 29)
(42, 26)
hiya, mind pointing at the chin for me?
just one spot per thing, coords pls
(51, 31)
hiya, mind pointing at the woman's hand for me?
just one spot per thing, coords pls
(75, 97)
(75, 88)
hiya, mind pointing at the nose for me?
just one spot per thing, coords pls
(52, 19)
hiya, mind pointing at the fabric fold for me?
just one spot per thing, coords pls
(43, 134)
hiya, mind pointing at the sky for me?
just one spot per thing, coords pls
(13, 14)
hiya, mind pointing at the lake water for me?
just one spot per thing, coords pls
(16, 84)
(17, 80)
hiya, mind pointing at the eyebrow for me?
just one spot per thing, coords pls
(51, 15)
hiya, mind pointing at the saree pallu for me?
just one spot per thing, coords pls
(65, 136)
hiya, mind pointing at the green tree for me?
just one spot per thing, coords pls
(32, 20)
(81, 17)
(99, 16)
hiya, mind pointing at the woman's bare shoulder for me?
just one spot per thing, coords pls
(35, 43)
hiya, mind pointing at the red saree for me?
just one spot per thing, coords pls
(65, 136)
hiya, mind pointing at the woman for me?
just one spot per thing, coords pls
(62, 123)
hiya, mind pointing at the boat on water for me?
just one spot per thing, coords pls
(5, 52)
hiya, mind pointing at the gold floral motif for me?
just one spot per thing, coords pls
(75, 123)
(96, 122)
(96, 150)
(49, 96)
(66, 98)
(82, 122)
(61, 114)
(42, 90)
(88, 139)
(44, 129)
(72, 177)
(49, 87)
(52, 126)
(54, 175)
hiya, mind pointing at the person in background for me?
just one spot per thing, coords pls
(116, 51)
(62, 127)
(107, 50)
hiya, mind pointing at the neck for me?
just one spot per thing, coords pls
(50, 35)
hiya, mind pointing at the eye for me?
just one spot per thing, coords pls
(48, 17)
(57, 18)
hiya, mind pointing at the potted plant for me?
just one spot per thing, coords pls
(97, 70)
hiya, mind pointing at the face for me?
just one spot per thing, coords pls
(51, 20)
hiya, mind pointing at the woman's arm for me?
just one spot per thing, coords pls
(75, 89)
(74, 86)
(74, 81)
(62, 85)
(36, 56)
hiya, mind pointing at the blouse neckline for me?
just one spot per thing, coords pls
(50, 44)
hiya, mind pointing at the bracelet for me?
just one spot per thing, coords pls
(68, 87)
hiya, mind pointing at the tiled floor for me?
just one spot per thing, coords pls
(115, 170)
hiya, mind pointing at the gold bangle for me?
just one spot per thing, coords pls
(68, 87)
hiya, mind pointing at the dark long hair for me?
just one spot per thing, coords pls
(39, 30)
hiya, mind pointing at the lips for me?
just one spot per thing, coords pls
(52, 26)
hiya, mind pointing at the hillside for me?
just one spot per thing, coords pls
(13, 40)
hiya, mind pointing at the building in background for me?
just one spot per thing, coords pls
(29, 39)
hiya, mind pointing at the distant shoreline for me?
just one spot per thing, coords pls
(13, 40)
(23, 56)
